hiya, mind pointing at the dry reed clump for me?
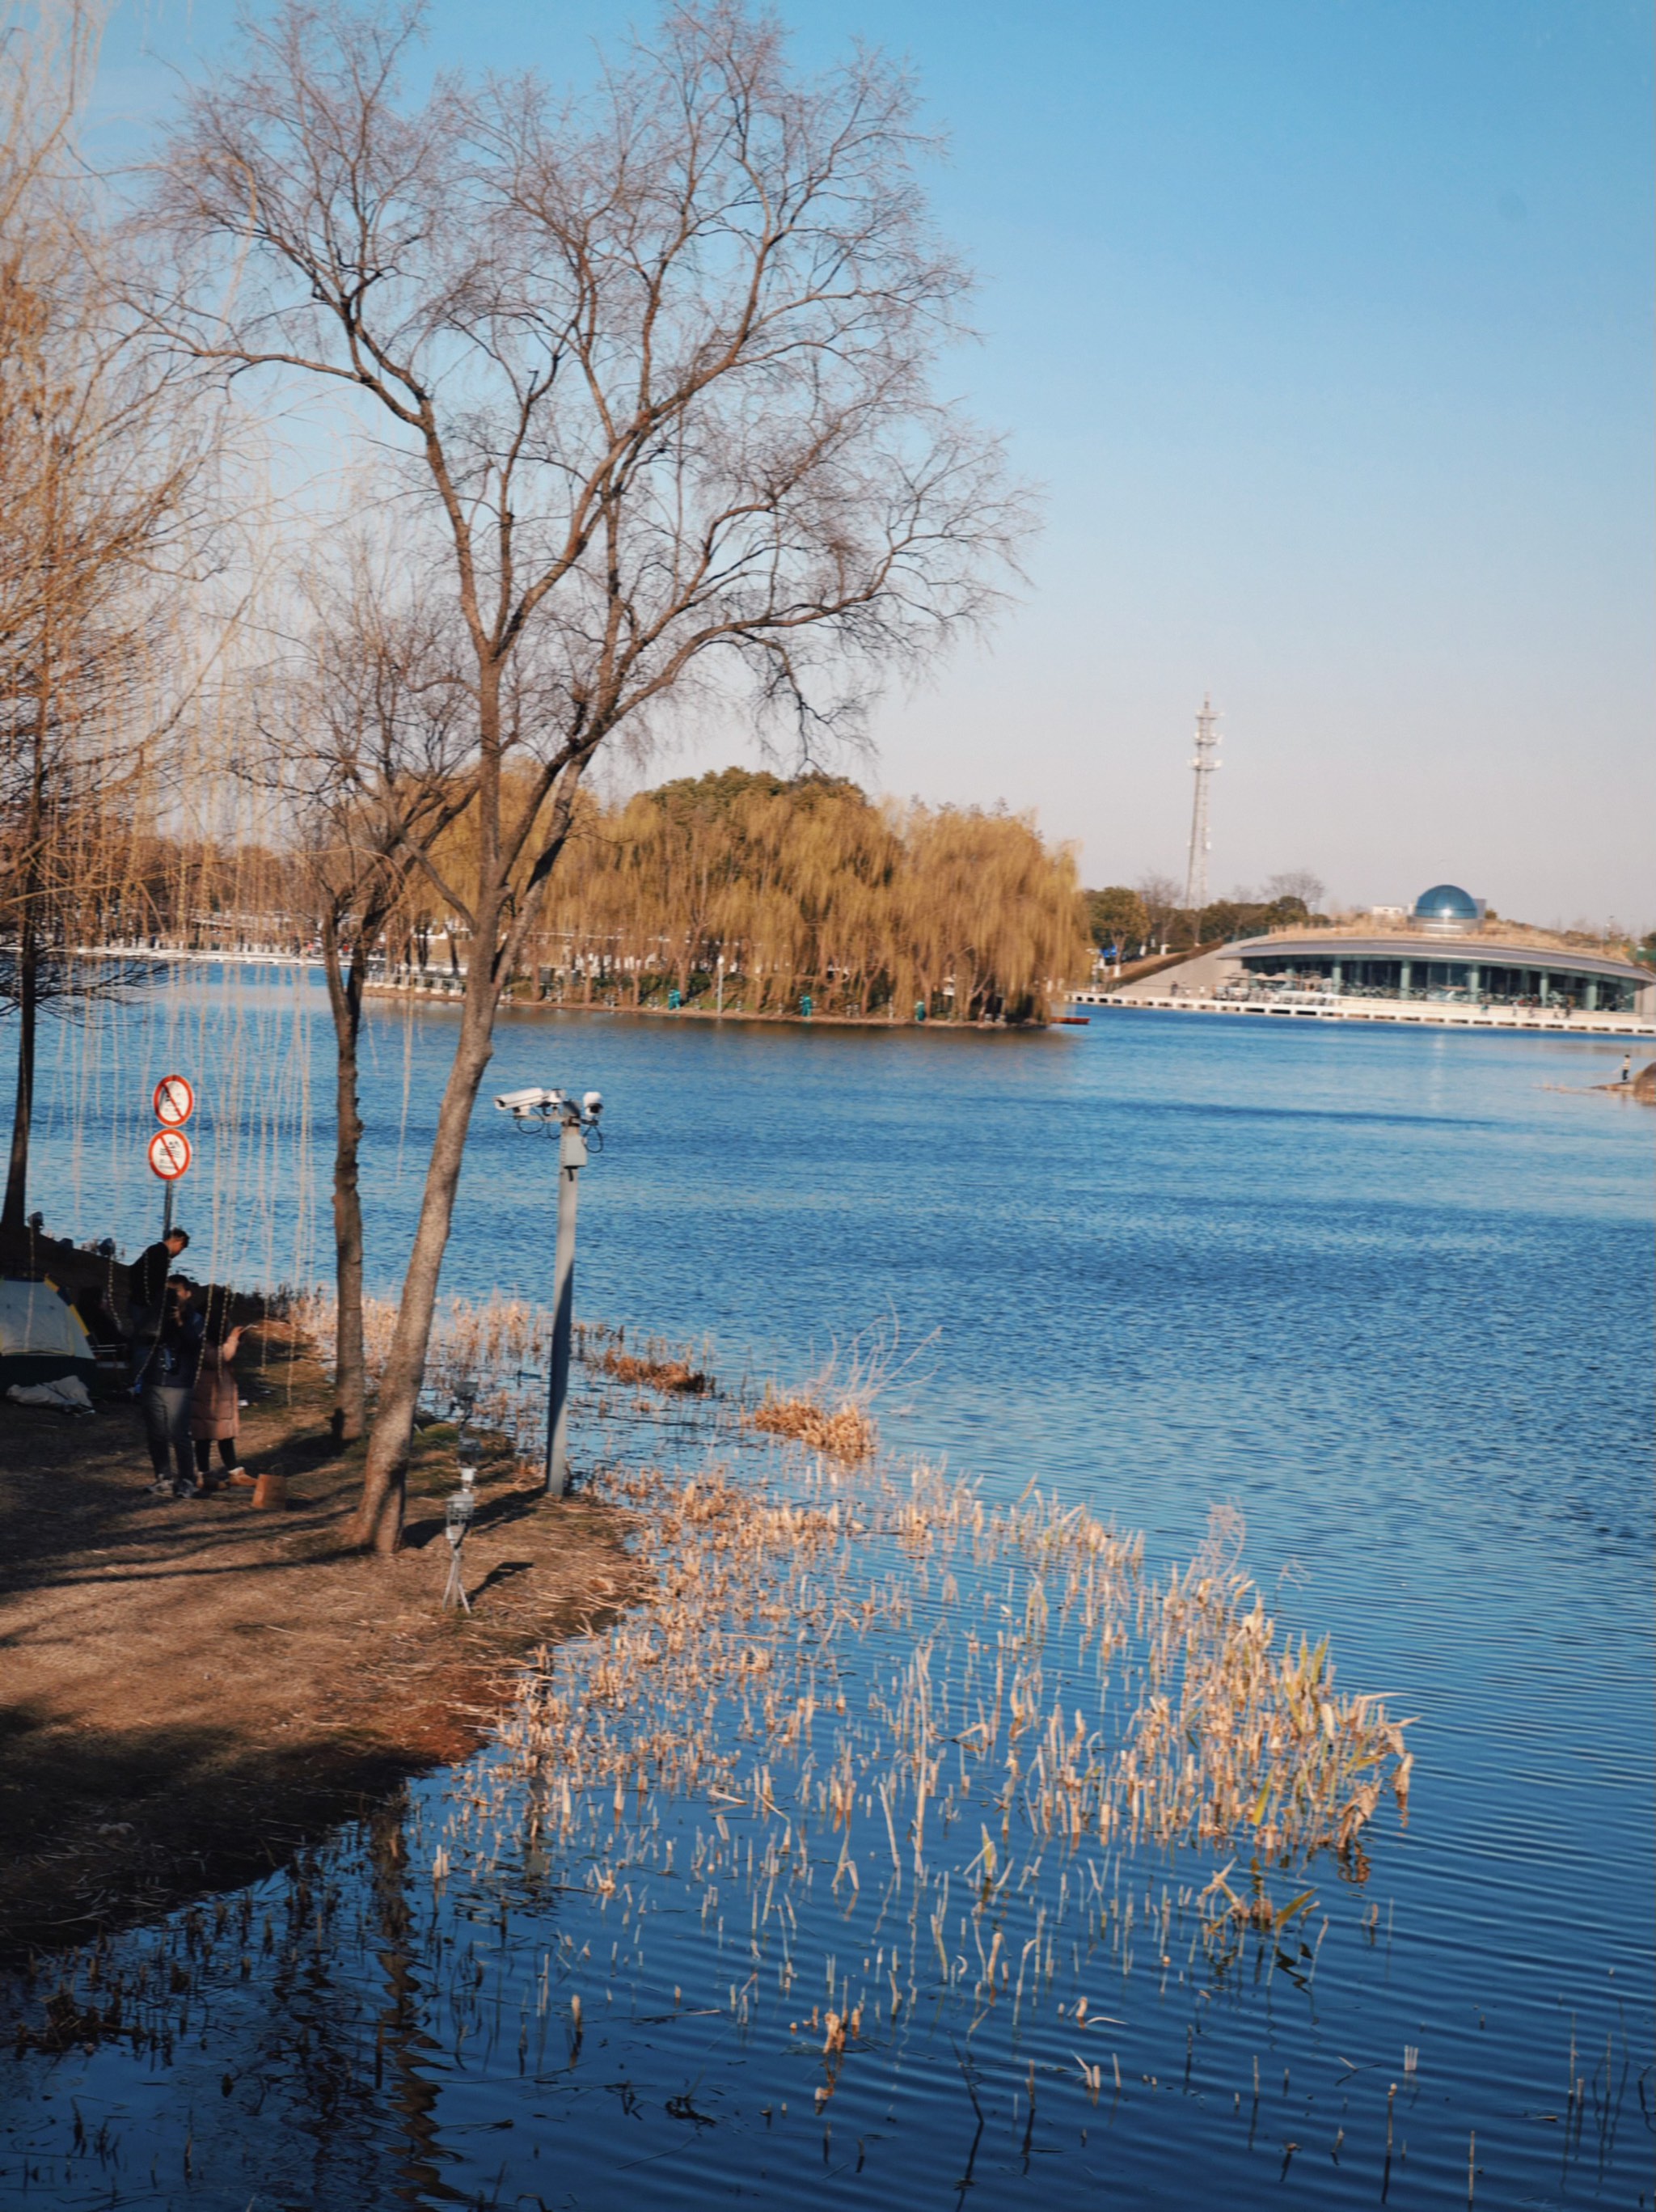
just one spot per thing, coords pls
(831, 1412)
(875, 1673)
(490, 1356)
(848, 1432)
(863, 1695)
(675, 1376)
(1205, 1727)
(972, 1632)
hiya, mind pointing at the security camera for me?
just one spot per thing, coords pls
(535, 1099)
(593, 1104)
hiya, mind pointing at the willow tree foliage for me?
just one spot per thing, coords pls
(761, 889)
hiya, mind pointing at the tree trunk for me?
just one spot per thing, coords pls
(379, 1517)
(350, 1370)
(14, 1217)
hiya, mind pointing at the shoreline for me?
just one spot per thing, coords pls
(196, 1691)
(378, 988)
(735, 1014)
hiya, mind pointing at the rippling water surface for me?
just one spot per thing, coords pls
(1388, 1294)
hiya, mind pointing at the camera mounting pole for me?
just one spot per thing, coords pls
(553, 1110)
(572, 1158)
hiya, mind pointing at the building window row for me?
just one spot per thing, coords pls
(1487, 983)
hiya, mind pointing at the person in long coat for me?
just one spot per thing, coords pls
(216, 1409)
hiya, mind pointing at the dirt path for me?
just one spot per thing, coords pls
(190, 1689)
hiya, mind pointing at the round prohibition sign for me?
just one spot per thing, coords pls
(174, 1101)
(169, 1154)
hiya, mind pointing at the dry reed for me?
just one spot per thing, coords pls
(857, 1688)
(675, 1376)
(846, 1432)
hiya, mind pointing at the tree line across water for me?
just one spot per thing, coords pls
(747, 889)
(1126, 923)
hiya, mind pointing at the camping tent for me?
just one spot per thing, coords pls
(42, 1338)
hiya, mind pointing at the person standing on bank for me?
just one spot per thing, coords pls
(166, 1385)
(146, 1285)
(216, 1402)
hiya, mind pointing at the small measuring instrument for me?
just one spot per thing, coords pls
(456, 1519)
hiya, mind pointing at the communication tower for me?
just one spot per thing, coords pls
(1206, 761)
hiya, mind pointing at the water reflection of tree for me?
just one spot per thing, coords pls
(401, 2039)
(311, 2059)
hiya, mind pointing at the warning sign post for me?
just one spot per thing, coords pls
(170, 1150)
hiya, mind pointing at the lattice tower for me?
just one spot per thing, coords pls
(1206, 761)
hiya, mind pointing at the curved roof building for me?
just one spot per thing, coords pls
(1446, 961)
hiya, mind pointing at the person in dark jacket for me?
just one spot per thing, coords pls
(164, 1390)
(147, 1287)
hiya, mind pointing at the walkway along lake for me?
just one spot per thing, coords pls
(1384, 1293)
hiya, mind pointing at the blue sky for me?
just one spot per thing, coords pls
(1327, 329)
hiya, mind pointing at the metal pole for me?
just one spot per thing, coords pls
(166, 1213)
(572, 1158)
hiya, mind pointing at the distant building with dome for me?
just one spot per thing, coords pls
(1446, 907)
(1445, 961)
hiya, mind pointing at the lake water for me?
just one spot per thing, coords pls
(1387, 1293)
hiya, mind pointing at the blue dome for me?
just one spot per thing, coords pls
(1446, 902)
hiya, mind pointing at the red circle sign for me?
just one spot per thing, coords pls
(169, 1154)
(175, 1100)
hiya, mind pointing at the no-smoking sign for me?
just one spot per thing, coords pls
(175, 1102)
(169, 1154)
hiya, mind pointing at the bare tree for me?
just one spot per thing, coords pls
(366, 742)
(1162, 898)
(652, 363)
(1298, 884)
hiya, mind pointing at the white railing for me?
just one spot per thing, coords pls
(1320, 1006)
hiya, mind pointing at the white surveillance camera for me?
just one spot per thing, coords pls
(535, 1099)
(593, 1104)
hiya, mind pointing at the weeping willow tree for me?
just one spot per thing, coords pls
(99, 461)
(765, 891)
